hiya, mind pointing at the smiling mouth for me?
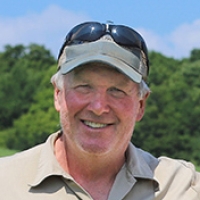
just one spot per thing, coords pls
(94, 125)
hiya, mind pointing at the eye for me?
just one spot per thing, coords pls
(116, 92)
(83, 88)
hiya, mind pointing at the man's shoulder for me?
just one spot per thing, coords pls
(176, 166)
(29, 160)
(20, 160)
(178, 175)
(176, 163)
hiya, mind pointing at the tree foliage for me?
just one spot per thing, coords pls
(22, 69)
(170, 126)
(23, 72)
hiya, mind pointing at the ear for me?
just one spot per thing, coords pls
(57, 97)
(142, 105)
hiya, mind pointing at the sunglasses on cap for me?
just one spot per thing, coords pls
(92, 31)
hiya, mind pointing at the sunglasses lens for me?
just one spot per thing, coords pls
(86, 32)
(126, 36)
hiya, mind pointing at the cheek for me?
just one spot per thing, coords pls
(128, 109)
(70, 106)
(74, 102)
(128, 113)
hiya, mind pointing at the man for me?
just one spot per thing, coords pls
(100, 93)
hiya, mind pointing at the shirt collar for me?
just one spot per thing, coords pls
(139, 164)
(48, 165)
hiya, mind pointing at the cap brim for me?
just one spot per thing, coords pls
(121, 66)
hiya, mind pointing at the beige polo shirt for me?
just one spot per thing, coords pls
(36, 174)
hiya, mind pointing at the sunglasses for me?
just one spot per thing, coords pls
(92, 31)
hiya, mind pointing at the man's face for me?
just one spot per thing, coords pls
(98, 109)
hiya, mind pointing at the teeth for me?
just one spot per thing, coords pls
(94, 125)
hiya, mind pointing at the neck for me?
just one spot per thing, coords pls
(88, 163)
(89, 170)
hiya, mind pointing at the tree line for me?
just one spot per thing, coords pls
(170, 126)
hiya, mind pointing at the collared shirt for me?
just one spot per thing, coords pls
(36, 174)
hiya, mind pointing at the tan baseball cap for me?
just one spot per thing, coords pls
(130, 62)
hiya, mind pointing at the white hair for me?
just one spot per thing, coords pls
(143, 89)
(57, 80)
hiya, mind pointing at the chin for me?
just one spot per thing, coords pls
(95, 149)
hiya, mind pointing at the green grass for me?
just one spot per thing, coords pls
(6, 152)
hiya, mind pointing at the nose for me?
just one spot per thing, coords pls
(99, 104)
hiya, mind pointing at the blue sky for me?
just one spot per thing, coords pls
(171, 27)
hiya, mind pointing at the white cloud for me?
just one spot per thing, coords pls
(154, 41)
(178, 43)
(50, 27)
(47, 28)
(185, 38)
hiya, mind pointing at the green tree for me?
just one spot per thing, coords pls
(171, 126)
(195, 55)
(34, 126)
(22, 69)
